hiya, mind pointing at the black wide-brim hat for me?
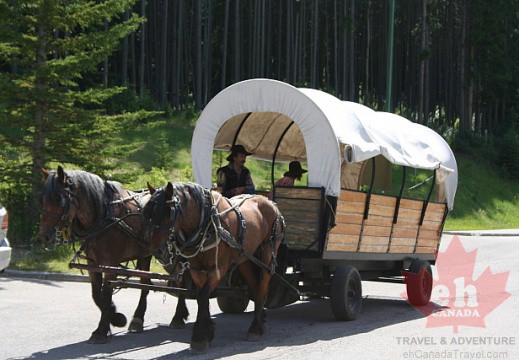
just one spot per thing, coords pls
(295, 169)
(237, 149)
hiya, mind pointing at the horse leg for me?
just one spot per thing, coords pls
(108, 314)
(258, 326)
(96, 281)
(137, 323)
(182, 313)
(203, 331)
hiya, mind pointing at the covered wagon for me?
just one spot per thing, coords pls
(339, 230)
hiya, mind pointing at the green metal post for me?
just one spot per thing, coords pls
(389, 75)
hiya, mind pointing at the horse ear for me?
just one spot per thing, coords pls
(169, 190)
(44, 174)
(61, 175)
(151, 189)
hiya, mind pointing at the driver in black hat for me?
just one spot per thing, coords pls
(235, 179)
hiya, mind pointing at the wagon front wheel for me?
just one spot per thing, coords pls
(419, 282)
(346, 293)
(233, 304)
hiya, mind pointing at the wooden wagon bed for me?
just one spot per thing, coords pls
(367, 226)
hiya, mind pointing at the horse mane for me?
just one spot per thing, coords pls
(156, 207)
(86, 187)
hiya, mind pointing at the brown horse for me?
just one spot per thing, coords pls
(212, 234)
(106, 219)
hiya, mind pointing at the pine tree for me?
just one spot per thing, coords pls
(51, 92)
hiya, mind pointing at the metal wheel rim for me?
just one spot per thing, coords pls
(351, 294)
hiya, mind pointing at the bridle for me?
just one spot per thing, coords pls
(177, 244)
(61, 232)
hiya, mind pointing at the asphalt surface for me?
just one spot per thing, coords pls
(44, 317)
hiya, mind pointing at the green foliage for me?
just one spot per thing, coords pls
(508, 154)
(501, 152)
(47, 113)
(156, 177)
(128, 101)
(485, 199)
(40, 259)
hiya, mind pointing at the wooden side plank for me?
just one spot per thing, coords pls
(343, 239)
(341, 247)
(299, 204)
(352, 196)
(377, 227)
(299, 216)
(298, 193)
(405, 232)
(377, 231)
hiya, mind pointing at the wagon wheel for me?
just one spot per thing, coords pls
(419, 283)
(346, 293)
(233, 304)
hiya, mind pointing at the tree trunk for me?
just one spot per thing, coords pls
(335, 50)
(315, 38)
(133, 70)
(198, 54)
(368, 45)
(38, 141)
(423, 60)
(208, 58)
(351, 61)
(288, 34)
(142, 62)
(164, 55)
(105, 65)
(179, 35)
(464, 115)
(225, 37)
(124, 57)
(237, 42)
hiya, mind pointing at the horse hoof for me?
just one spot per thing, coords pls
(136, 326)
(177, 324)
(118, 320)
(98, 339)
(253, 337)
(199, 347)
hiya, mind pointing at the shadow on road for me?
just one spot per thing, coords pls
(298, 324)
(52, 283)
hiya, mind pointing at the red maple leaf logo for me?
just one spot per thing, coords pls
(460, 299)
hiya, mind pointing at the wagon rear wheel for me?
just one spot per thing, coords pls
(233, 304)
(346, 293)
(419, 283)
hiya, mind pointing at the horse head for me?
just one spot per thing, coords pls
(161, 215)
(59, 206)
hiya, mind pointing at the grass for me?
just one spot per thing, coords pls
(484, 200)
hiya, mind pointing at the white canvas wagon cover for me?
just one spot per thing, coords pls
(325, 126)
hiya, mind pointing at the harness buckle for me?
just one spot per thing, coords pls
(185, 265)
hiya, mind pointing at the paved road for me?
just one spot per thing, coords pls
(45, 319)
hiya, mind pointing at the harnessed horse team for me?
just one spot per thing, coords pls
(183, 225)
